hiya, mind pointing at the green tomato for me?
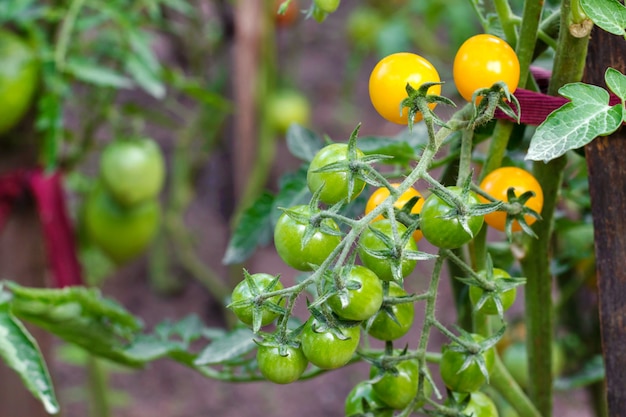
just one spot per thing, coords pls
(122, 233)
(398, 390)
(507, 298)
(19, 72)
(364, 25)
(364, 301)
(383, 326)
(335, 183)
(480, 405)
(243, 292)
(287, 107)
(133, 170)
(288, 238)
(465, 380)
(441, 225)
(324, 349)
(281, 369)
(327, 6)
(370, 241)
(362, 393)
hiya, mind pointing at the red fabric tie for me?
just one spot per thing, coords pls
(47, 192)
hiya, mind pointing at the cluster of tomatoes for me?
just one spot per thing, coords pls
(121, 214)
(360, 289)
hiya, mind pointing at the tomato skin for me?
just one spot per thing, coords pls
(364, 302)
(335, 183)
(325, 350)
(496, 184)
(382, 267)
(288, 235)
(327, 6)
(480, 405)
(122, 233)
(489, 307)
(286, 107)
(383, 327)
(281, 369)
(354, 401)
(132, 170)
(397, 391)
(388, 80)
(19, 73)
(483, 60)
(242, 292)
(447, 233)
(381, 195)
(471, 378)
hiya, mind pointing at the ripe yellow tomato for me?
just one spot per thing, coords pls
(388, 80)
(381, 195)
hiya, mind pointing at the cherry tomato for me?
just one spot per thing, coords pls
(19, 73)
(444, 231)
(122, 233)
(243, 292)
(383, 326)
(363, 302)
(286, 107)
(398, 390)
(480, 405)
(388, 80)
(370, 241)
(327, 6)
(483, 60)
(335, 183)
(288, 235)
(496, 184)
(465, 380)
(363, 26)
(281, 369)
(290, 15)
(507, 298)
(381, 195)
(324, 349)
(132, 170)
(363, 391)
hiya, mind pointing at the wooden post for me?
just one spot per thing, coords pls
(606, 159)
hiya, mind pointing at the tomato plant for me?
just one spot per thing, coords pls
(19, 74)
(132, 170)
(442, 222)
(363, 295)
(507, 297)
(393, 320)
(362, 399)
(463, 371)
(243, 303)
(381, 195)
(281, 365)
(397, 388)
(329, 348)
(388, 81)
(482, 61)
(330, 171)
(289, 236)
(497, 184)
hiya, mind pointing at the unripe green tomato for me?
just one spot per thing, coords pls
(278, 368)
(480, 405)
(507, 298)
(335, 183)
(364, 391)
(287, 107)
(19, 72)
(327, 6)
(383, 327)
(132, 170)
(465, 380)
(243, 292)
(122, 233)
(363, 26)
(363, 302)
(325, 350)
(397, 391)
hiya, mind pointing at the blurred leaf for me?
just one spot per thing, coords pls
(50, 122)
(293, 191)
(592, 372)
(233, 345)
(97, 74)
(253, 230)
(401, 151)
(145, 77)
(303, 143)
(20, 352)
(21, 11)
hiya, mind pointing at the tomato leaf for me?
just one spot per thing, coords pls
(96, 74)
(400, 151)
(20, 352)
(254, 229)
(293, 192)
(610, 15)
(575, 124)
(232, 345)
(303, 143)
(616, 81)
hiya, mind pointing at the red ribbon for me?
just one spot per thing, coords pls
(47, 192)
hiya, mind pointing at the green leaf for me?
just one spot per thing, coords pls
(610, 15)
(591, 373)
(616, 81)
(303, 143)
(254, 229)
(401, 151)
(575, 124)
(233, 345)
(293, 191)
(146, 78)
(19, 351)
(96, 74)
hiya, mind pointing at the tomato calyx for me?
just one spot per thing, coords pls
(327, 322)
(498, 96)
(418, 101)
(314, 222)
(475, 350)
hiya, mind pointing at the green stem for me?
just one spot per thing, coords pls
(497, 147)
(465, 159)
(502, 381)
(65, 33)
(506, 17)
(528, 37)
(98, 387)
